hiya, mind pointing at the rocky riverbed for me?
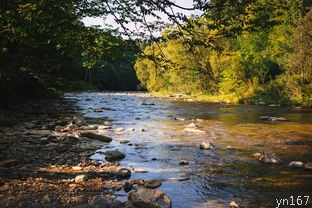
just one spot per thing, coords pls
(133, 150)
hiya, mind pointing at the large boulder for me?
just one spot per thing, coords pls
(113, 155)
(92, 135)
(151, 198)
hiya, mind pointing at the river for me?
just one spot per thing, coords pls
(216, 176)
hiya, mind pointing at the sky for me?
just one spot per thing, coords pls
(91, 21)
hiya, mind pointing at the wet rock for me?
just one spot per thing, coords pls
(231, 147)
(193, 128)
(150, 198)
(177, 179)
(183, 162)
(205, 145)
(278, 119)
(119, 129)
(97, 110)
(100, 202)
(269, 118)
(89, 127)
(148, 104)
(265, 117)
(192, 125)
(307, 166)
(140, 147)
(296, 164)
(140, 171)
(268, 158)
(127, 187)
(107, 108)
(152, 183)
(124, 141)
(274, 105)
(102, 127)
(59, 128)
(113, 155)
(107, 123)
(123, 173)
(70, 127)
(130, 129)
(78, 120)
(92, 135)
(139, 182)
(179, 119)
(81, 178)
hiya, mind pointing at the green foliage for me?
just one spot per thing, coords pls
(240, 50)
(44, 45)
(298, 76)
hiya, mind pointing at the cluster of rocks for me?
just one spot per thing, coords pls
(270, 118)
(269, 158)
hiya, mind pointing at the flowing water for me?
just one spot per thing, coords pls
(217, 176)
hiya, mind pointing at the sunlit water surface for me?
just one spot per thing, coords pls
(217, 176)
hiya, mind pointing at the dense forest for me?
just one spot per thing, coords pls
(255, 50)
(237, 51)
(46, 49)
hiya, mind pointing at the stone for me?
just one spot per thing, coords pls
(268, 158)
(183, 162)
(124, 141)
(123, 173)
(278, 119)
(205, 145)
(234, 205)
(81, 178)
(229, 147)
(127, 187)
(119, 129)
(137, 182)
(97, 110)
(307, 166)
(177, 179)
(143, 198)
(194, 130)
(265, 117)
(77, 168)
(70, 127)
(152, 183)
(89, 127)
(113, 155)
(78, 120)
(130, 129)
(92, 135)
(46, 198)
(296, 164)
(192, 125)
(148, 104)
(79, 199)
(102, 127)
(140, 171)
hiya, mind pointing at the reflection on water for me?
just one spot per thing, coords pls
(217, 176)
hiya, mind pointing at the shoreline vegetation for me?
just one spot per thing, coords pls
(254, 51)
